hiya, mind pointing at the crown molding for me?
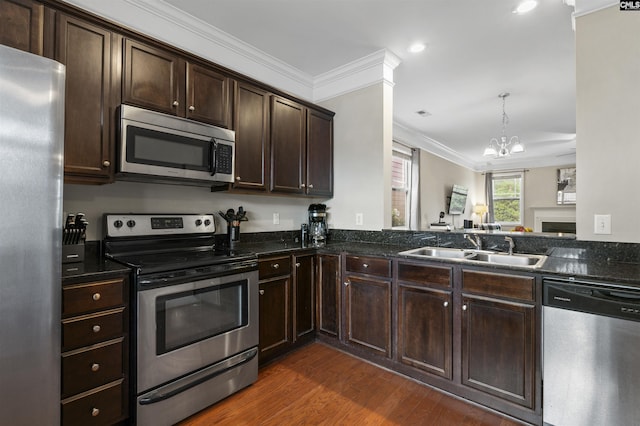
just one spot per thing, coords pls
(585, 7)
(372, 69)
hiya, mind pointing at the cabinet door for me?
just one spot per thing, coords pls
(251, 122)
(153, 78)
(425, 318)
(22, 25)
(287, 146)
(498, 348)
(275, 314)
(319, 179)
(89, 54)
(368, 313)
(304, 296)
(329, 294)
(208, 96)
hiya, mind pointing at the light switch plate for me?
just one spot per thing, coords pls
(276, 218)
(359, 219)
(602, 224)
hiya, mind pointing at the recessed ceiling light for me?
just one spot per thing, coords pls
(525, 6)
(417, 47)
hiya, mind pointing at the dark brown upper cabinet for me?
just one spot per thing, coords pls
(163, 81)
(251, 118)
(91, 55)
(301, 149)
(22, 25)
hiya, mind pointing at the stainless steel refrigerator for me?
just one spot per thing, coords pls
(31, 168)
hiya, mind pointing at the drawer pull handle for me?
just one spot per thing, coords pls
(446, 304)
(365, 265)
(95, 412)
(275, 266)
(95, 367)
(96, 328)
(261, 292)
(96, 296)
(346, 283)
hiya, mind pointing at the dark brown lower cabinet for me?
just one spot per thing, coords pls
(305, 300)
(328, 311)
(368, 313)
(498, 355)
(275, 314)
(425, 318)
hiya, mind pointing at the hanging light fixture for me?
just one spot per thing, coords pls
(503, 147)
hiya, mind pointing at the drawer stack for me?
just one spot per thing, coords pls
(95, 352)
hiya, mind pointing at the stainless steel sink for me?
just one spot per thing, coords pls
(446, 253)
(530, 261)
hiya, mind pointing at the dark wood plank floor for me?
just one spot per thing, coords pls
(319, 385)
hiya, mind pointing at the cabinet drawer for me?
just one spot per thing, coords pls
(274, 267)
(85, 369)
(513, 286)
(90, 329)
(435, 275)
(82, 298)
(369, 265)
(100, 406)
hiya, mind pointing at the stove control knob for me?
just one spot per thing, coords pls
(198, 222)
(207, 222)
(118, 224)
(131, 223)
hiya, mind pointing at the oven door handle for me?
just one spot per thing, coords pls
(167, 391)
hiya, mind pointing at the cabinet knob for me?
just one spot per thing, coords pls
(297, 264)
(96, 296)
(275, 265)
(192, 108)
(365, 265)
(106, 163)
(238, 178)
(175, 103)
(95, 366)
(346, 283)
(302, 186)
(96, 329)
(95, 412)
(445, 304)
(310, 186)
(261, 292)
(464, 307)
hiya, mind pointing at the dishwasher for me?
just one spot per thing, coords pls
(591, 353)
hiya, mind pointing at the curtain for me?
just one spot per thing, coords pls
(414, 216)
(488, 189)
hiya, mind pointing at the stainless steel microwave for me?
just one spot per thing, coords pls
(160, 147)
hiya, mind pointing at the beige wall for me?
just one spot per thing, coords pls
(437, 177)
(608, 124)
(362, 159)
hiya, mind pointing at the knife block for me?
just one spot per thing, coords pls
(72, 253)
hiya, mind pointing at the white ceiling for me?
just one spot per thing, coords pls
(475, 50)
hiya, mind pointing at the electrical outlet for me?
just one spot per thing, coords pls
(359, 219)
(602, 224)
(276, 218)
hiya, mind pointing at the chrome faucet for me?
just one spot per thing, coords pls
(475, 240)
(511, 244)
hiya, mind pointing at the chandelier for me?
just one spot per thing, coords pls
(503, 147)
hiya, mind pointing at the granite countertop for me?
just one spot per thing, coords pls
(562, 262)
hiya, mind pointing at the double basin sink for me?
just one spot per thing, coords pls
(531, 261)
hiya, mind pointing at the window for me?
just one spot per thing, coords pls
(507, 198)
(404, 169)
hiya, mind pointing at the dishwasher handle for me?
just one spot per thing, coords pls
(617, 296)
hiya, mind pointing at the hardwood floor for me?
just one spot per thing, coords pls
(319, 385)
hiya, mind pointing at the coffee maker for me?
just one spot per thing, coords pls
(317, 224)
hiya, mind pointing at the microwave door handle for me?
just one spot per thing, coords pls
(213, 147)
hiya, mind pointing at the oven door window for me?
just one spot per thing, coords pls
(191, 316)
(152, 147)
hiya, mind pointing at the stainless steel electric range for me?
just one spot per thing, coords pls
(195, 331)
